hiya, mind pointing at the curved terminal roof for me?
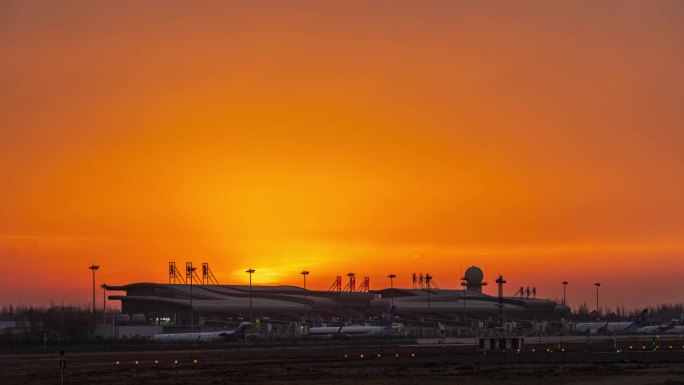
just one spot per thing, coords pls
(233, 299)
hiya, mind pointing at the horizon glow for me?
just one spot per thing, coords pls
(541, 141)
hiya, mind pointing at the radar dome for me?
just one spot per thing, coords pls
(474, 276)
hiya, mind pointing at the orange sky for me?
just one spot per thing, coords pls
(543, 140)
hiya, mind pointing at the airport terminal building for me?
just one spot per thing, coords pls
(169, 304)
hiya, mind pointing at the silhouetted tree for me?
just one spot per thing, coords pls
(583, 309)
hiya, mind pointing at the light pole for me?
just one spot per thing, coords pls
(251, 314)
(391, 277)
(428, 278)
(565, 304)
(352, 283)
(304, 273)
(464, 283)
(500, 283)
(104, 303)
(190, 271)
(597, 284)
(93, 268)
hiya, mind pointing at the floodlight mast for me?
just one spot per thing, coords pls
(391, 277)
(428, 278)
(104, 303)
(251, 313)
(190, 271)
(93, 268)
(304, 273)
(597, 284)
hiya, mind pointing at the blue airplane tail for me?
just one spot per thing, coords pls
(242, 329)
(640, 321)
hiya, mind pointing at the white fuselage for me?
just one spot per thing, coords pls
(202, 336)
(658, 329)
(679, 329)
(602, 327)
(348, 331)
(651, 329)
(189, 337)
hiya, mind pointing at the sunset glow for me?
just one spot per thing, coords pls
(540, 140)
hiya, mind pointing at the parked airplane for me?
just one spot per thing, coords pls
(378, 329)
(202, 337)
(612, 327)
(679, 329)
(658, 329)
(672, 327)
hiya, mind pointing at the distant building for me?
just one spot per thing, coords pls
(169, 304)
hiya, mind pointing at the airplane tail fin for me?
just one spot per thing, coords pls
(242, 328)
(641, 318)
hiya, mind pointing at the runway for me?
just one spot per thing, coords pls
(344, 364)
